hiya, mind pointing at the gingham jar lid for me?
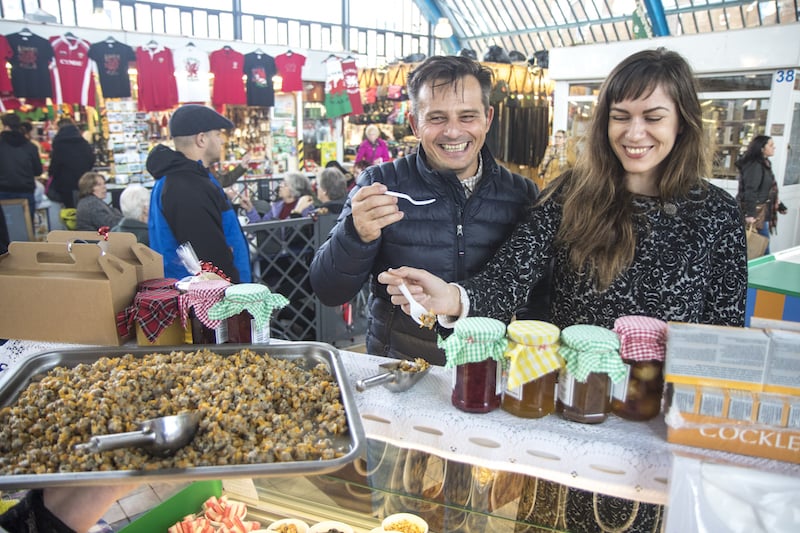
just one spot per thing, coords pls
(587, 348)
(642, 338)
(201, 295)
(533, 332)
(251, 297)
(475, 339)
(532, 351)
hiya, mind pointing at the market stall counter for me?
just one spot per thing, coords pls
(423, 453)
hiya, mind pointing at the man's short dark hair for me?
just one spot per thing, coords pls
(445, 71)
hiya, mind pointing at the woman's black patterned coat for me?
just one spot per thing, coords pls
(689, 266)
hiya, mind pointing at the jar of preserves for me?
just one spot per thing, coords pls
(247, 308)
(533, 369)
(592, 363)
(195, 301)
(642, 346)
(475, 351)
(155, 313)
(156, 283)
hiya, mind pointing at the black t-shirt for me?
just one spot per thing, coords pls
(112, 58)
(260, 68)
(30, 65)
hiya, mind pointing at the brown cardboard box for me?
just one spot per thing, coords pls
(733, 389)
(50, 294)
(149, 263)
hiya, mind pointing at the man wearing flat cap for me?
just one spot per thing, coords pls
(188, 204)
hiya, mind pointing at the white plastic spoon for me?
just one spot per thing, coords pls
(416, 308)
(407, 197)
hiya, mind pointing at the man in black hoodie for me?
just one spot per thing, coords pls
(19, 163)
(72, 155)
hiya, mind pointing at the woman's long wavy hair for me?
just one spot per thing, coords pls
(597, 225)
(754, 151)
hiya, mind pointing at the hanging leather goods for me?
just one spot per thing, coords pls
(397, 89)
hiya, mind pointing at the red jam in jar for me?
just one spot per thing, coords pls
(477, 387)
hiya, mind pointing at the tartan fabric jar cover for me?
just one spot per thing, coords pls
(156, 283)
(153, 309)
(202, 295)
(254, 298)
(586, 349)
(641, 338)
(532, 351)
(475, 339)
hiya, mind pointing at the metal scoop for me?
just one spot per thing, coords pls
(394, 378)
(159, 436)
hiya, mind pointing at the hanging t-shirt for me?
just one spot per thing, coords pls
(6, 53)
(72, 71)
(290, 67)
(337, 101)
(350, 71)
(30, 65)
(191, 74)
(227, 65)
(157, 88)
(260, 68)
(113, 58)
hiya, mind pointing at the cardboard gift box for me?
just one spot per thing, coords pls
(734, 389)
(50, 293)
(149, 263)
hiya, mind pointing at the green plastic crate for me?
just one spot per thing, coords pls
(188, 501)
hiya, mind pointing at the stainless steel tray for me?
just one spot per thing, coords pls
(306, 354)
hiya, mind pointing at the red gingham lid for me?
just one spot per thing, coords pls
(201, 295)
(641, 338)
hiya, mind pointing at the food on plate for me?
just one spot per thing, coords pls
(403, 526)
(254, 409)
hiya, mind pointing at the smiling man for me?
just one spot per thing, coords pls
(478, 204)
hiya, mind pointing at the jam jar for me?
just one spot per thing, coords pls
(475, 351)
(642, 348)
(591, 355)
(247, 308)
(196, 299)
(156, 316)
(533, 368)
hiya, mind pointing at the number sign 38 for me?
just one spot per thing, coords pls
(785, 76)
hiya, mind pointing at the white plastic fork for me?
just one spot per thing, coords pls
(407, 197)
(417, 310)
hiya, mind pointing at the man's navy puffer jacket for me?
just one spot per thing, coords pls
(452, 238)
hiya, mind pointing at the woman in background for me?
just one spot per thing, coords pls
(373, 149)
(134, 202)
(93, 211)
(758, 190)
(296, 200)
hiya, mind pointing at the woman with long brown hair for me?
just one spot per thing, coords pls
(634, 229)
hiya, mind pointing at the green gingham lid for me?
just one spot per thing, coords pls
(588, 349)
(251, 297)
(475, 339)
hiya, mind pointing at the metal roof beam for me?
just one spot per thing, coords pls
(655, 10)
(432, 12)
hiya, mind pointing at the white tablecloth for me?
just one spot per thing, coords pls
(618, 457)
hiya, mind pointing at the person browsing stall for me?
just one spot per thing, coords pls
(758, 190)
(93, 211)
(634, 229)
(188, 204)
(19, 163)
(134, 202)
(72, 156)
(296, 200)
(477, 205)
(373, 150)
(332, 191)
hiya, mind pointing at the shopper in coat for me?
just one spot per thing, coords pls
(71, 157)
(634, 229)
(134, 202)
(332, 191)
(296, 200)
(188, 204)
(478, 204)
(373, 149)
(19, 163)
(757, 186)
(93, 211)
